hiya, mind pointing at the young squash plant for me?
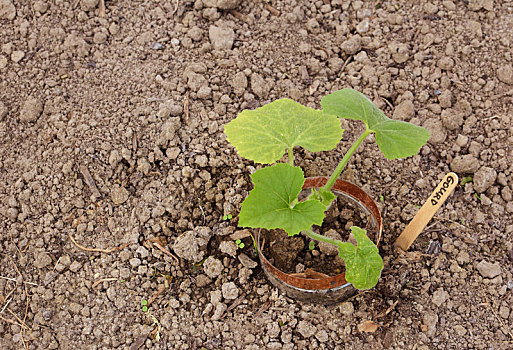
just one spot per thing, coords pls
(265, 134)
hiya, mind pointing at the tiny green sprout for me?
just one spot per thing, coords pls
(381, 198)
(466, 180)
(477, 196)
(144, 304)
(311, 245)
(227, 217)
(266, 134)
(239, 243)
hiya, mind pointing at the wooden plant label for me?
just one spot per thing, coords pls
(437, 198)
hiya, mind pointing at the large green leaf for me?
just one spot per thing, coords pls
(395, 138)
(264, 134)
(363, 262)
(272, 203)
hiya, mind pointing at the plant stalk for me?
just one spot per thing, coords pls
(291, 156)
(321, 238)
(334, 176)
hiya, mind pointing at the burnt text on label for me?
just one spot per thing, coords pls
(436, 196)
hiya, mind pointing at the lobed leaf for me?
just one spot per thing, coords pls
(264, 134)
(363, 262)
(272, 202)
(395, 138)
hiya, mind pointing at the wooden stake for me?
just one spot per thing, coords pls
(437, 198)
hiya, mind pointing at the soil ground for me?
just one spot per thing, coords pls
(111, 136)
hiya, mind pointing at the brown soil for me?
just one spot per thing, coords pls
(293, 254)
(111, 133)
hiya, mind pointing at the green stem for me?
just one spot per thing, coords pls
(344, 161)
(321, 238)
(291, 156)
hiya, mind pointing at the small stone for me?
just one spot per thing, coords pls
(63, 263)
(400, 52)
(142, 252)
(196, 81)
(363, 26)
(504, 312)
(505, 74)
(352, 45)
(313, 26)
(438, 132)
(463, 257)
(135, 262)
(246, 261)
(187, 246)
(466, 164)
(452, 119)
(259, 86)
(75, 266)
(100, 37)
(40, 6)
(222, 4)
(212, 267)
(88, 5)
(306, 329)
(330, 249)
(219, 311)
(230, 290)
(439, 297)
(430, 8)
(430, 319)
(484, 178)
(204, 92)
(445, 99)
(31, 110)
(221, 38)
(202, 281)
(12, 213)
(445, 63)
(7, 10)
(42, 260)
(346, 308)
(460, 330)
(195, 33)
(119, 195)
(17, 56)
(404, 111)
(489, 270)
(476, 5)
(3, 62)
(322, 336)
(228, 247)
(239, 83)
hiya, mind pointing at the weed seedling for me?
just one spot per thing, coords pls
(265, 134)
(239, 243)
(227, 217)
(311, 245)
(466, 180)
(144, 304)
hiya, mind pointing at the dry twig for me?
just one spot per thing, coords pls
(89, 181)
(165, 251)
(161, 289)
(101, 8)
(103, 280)
(110, 250)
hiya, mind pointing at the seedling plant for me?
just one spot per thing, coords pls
(265, 134)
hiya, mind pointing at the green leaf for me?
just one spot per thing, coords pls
(264, 134)
(322, 195)
(395, 138)
(363, 262)
(272, 202)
